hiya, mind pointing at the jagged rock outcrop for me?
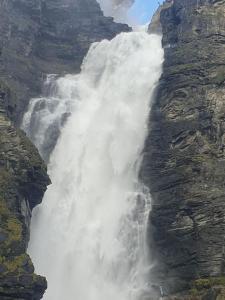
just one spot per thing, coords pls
(155, 24)
(39, 37)
(184, 158)
(23, 181)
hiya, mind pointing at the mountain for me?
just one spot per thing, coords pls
(184, 158)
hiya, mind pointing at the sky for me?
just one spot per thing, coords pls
(143, 10)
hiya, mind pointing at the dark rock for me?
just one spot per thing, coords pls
(23, 181)
(40, 37)
(155, 24)
(214, 293)
(184, 157)
(3, 237)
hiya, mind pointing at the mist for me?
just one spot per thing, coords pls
(117, 9)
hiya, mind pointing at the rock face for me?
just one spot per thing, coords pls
(39, 37)
(155, 26)
(184, 158)
(23, 181)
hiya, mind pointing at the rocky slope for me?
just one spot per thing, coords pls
(23, 181)
(184, 158)
(39, 37)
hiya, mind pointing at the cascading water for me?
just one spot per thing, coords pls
(88, 236)
(46, 115)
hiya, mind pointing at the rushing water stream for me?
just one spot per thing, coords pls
(88, 236)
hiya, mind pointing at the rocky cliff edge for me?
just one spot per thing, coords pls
(184, 157)
(23, 181)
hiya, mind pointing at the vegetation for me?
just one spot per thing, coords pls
(206, 283)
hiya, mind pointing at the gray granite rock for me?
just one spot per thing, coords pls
(184, 158)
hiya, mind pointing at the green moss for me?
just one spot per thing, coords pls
(184, 68)
(206, 283)
(194, 292)
(200, 284)
(199, 158)
(14, 264)
(32, 152)
(10, 226)
(220, 77)
(5, 181)
(14, 228)
(3, 208)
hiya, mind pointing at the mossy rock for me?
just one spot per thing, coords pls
(207, 283)
(18, 264)
(23, 181)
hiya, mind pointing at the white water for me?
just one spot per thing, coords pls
(88, 236)
(46, 115)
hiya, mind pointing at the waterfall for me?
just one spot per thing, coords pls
(46, 115)
(88, 236)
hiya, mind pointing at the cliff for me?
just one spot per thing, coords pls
(23, 181)
(39, 37)
(155, 26)
(184, 158)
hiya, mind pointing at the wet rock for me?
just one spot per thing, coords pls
(184, 157)
(23, 181)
